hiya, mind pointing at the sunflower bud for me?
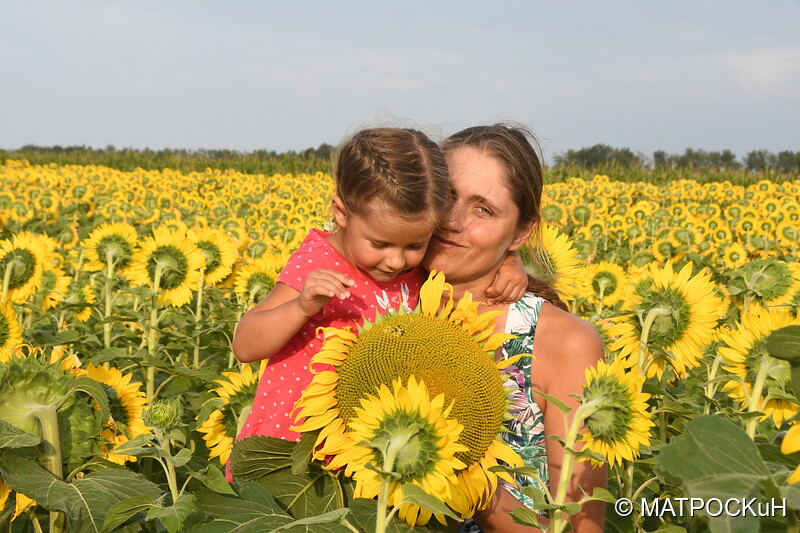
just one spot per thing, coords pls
(164, 414)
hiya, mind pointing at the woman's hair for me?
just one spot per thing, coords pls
(517, 151)
(400, 168)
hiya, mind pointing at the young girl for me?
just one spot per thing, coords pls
(391, 186)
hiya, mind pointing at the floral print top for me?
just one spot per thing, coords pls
(525, 433)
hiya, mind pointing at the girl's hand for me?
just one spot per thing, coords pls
(510, 282)
(321, 287)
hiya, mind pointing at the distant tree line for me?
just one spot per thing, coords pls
(619, 163)
(127, 159)
(759, 161)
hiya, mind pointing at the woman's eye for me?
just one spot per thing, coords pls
(483, 210)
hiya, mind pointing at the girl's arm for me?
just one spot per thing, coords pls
(563, 348)
(267, 327)
(510, 282)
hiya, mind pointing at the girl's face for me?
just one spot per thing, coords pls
(481, 226)
(380, 242)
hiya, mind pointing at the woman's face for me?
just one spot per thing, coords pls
(481, 226)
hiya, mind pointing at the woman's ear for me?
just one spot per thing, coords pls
(340, 212)
(521, 237)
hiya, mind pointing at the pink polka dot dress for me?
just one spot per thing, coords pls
(287, 374)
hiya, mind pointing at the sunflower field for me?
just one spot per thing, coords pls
(120, 397)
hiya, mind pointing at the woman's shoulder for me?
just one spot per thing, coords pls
(567, 337)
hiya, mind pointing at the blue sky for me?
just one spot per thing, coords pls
(249, 75)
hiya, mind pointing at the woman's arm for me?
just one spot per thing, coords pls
(563, 348)
(267, 327)
(496, 518)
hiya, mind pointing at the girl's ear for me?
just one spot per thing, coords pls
(340, 212)
(521, 237)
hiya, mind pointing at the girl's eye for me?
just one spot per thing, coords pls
(378, 245)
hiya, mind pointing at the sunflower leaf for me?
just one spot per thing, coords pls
(707, 470)
(416, 495)
(13, 437)
(564, 408)
(138, 446)
(174, 516)
(301, 454)
(214, 479)
(96, 390)
(257, 456)
(784, 343)
(526, 517)
(123, 511)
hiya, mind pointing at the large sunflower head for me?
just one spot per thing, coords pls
(403, 430)
(232, 401)
(170, 260)
(683, 311)
(619, 422)
(448, 347)
(744, 352)
(110, 244)
(22, 260)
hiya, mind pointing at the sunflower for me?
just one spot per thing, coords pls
(559, 261)
(411, 435)
(110, 242)
(767, 281)
(791, 444)
(21, 502)
(174, 259)
(10, 331)
(254, 281)
(127, 404)
(619, 422)
(452, 352)
(54, 287)
(22, 260)
(82, 297)
(235, 396)
(605, 282)
(745, 354)
(219, 250)
(684, 311)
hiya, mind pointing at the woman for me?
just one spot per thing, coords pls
(497, 179)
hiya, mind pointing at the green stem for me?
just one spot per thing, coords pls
(108, 300)
(231, 355)
(560, 519)
(152, 337)
(646, 326)
(51, 443)
(389, 457)
(711, 388)
(755, 397)
(197, 317)
(6, 282)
